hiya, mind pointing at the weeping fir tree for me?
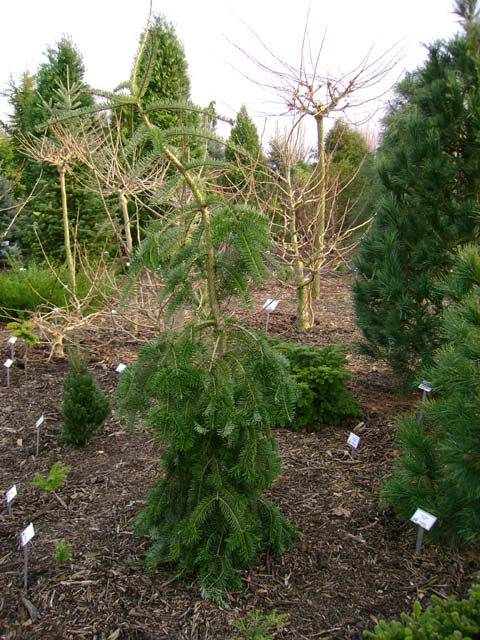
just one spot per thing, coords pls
(429, 164)
(211, 390)
(439, 466)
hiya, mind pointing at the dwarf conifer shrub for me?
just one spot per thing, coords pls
(84, 405)
(323, 397)
(55, 478)
(449, 619)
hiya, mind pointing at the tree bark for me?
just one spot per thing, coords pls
(66, 231)
(320, 208)
(126, 222)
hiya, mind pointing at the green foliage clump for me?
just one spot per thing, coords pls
(429, 164)
(23, 290)
(212, 399)
(55, 479)
(63, 552)
(449, 619)
(439, 468)
(322, 394)
(260, 626)
(84, 405)
(24, 331)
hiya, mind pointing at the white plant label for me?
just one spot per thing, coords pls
(270, 305)
(423, 519)
(425, 386)
(39, 422)
(12, 340)
(121, 367)
(353, 440)
(27, 534)
(11, 494)
(8, 363)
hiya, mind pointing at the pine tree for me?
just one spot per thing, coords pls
(430, 169)
(211, 390)
(439, 466)
(84, 405)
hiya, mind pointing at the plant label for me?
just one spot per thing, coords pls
(425, 387)
(270, 305)
(8, 363)
(11, 494)
(353, 440)
(39, 422)
(121, 367)
(12, 340)
(423, 519)
(26, 535)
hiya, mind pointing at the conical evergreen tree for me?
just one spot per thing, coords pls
(430, 168)
(244, 150)
(439, 467)
(84, 405)
(34, 102)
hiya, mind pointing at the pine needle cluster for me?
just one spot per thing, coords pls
(439, 469)
(429, 164)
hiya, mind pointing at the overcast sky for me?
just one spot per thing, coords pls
(106, 33)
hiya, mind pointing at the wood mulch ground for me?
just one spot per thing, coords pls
(354, 565)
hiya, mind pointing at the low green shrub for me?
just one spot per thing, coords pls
(449, 619)
(24, 289)
(55, 479)
(84, 405)
(63, 552)
(260, 626)
(320, 375)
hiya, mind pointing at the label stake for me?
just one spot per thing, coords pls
(25, 537)
(353, 441)
(425, 522)
(11, 341)
(9, 496)
(113, 313)
(426, 389)
(7, 364)
(37, 435)
(269, 306)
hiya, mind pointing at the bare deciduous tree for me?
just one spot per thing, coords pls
(306, 92)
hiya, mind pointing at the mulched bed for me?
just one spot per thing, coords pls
(354, 565)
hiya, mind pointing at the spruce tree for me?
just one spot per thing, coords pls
(429, 165)
(84, 405)
(439, 466)
(210, 389)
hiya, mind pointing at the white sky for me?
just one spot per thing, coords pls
(106, 33)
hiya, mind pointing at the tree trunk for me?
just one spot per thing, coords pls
(320, 208)
(126, 222)
(66, 231)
